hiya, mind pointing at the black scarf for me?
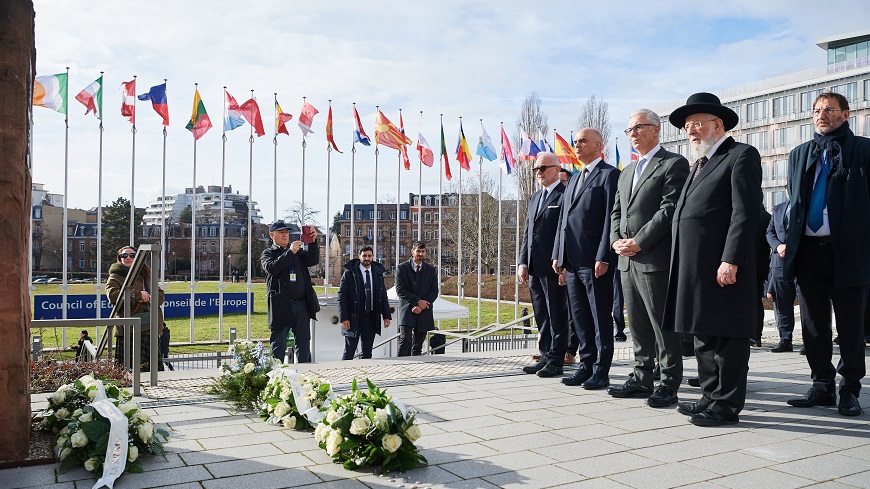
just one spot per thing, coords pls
(838, 152)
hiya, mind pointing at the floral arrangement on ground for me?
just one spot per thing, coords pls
(243, 377)
(370, 429)
(294, 400)
(83, 433)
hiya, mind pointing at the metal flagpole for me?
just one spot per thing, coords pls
(275, 166)
(420, 192)
(498, 270)
(459, 233)
(328, 177)
(304, 145)
(440, 203)
(251, 220)
(97, 287)
(479, 230)
(222, 233)
(64, 287)
(399, 206)
(132, 171)
(163, 214)
(352, 192)
(375, 212)
(193, 235)
(517, 251)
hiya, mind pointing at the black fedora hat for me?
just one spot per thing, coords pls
(704, 103)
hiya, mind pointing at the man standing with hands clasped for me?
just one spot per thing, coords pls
(417, 288)
(362, 302)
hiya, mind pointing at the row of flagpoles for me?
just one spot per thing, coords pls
(51, 91)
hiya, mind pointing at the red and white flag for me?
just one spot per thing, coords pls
(251, 112)
(128, 97)
(427, 157)
(306, 118)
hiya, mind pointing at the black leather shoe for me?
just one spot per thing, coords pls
(803, 350)
(662, 397)
(693, 381)
(550, 370)
(814, 397)
(620, 337)
(691, 408)
(710, 418)
(657, 372)
(631, 388)
(848, 405)
(783, 346)
(597, 382)
(578, 378)
(533, 369)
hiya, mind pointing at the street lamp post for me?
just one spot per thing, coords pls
(230, 264)
(174, 266)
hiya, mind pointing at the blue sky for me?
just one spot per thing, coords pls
(478, 60)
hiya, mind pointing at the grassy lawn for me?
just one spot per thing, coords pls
(206, 329)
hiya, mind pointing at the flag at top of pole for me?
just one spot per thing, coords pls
(565, 153)
(444, 155)
(232, 117)
(330, 138)
(463, 154)
(49, 91)
(157, 96)
(387, 134)
(199, 122)
(427, 157)
(359, 134)
(485, 148)
(128, 99)
(404, 148)
(306, 118)
(529, 150)
(544, 145)
(507, 153)
(92, 98)
(250, 110)
(281, 119)
(618, 159)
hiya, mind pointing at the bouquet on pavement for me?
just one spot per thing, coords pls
(244, 377)
(294, 400)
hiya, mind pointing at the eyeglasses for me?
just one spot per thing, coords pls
(542, 168)
(695, 125)
(826, 110)
(636, 128)
(127, 255)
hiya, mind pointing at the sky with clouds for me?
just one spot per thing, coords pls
(474, 59)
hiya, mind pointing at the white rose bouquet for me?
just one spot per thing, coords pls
(370, 429)
(83, 433)
(244, 377)
(290, 399)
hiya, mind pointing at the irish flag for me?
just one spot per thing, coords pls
(199, 122)
(50, 91)
(92, 98)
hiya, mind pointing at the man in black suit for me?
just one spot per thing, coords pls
(417, 288)
(362, 302)
(712, 289)
(780, 289)
(762, 271)
(829, 183)
(582, 248)
(640, 232)
(549, 297)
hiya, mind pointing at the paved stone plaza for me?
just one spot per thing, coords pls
(487, 425)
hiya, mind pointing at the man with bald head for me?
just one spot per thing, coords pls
(549, 298)
(582, 250)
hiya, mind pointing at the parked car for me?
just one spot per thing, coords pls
(40, 280)
(54, 280)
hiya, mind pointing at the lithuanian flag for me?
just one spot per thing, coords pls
(199, 122)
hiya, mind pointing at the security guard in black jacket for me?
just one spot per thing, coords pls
(362, 303)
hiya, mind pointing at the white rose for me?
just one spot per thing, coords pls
(132, 453)
(79, 439)
(60, 395)
(360, 426)
(128, 406)
(281, 409)
(380, 418)
(92, 394)
(146, 431)
(331, 416)
(141, 416)
(286, 393)
(61, 442)
(65, 453)
(87, 381)
(87, 417)
(77, 413)
(391, 443)
(249, 367)
(290, 422)
(61, 413)
(321, 432)
(91, 464)
(332, 442)
(413, 433)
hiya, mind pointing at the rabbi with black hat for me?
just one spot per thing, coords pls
(291, 299)
(712, 288)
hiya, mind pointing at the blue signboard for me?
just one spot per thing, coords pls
(83, 306)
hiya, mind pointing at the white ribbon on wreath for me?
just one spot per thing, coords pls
(116, 450)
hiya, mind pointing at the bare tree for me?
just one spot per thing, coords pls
(595, 114)
(299, 217)
(532, 120)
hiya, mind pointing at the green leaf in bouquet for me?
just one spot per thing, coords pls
(134, 468)
(323, 389)
(71, 461)
(272, 401)
(96, 428)
(391, 414)
(101, 443)
(162, 432)
(353, 385)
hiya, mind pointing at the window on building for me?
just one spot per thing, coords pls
(867, 125)
(371, 214)
(452, 200)
(347, 231)
(766, 170)
(853, 121)
(211, 265)
(403, 215)
(756, 110)
(866, 89)
(848, 90)
(807, 131)
(403, 233)
(380, 214)
(403, 250)
(213, 247)
(359, 232)
(212, 231)
(347, 214)
(205, 247)
(427, 217)
(427, 235)
(757, 139)
(780, 169)
(369, 232)
(347, 249)
(785, 137)
(863, 49)
(778, 197)
(81, 246)
(807, 99)
(435, 233)
(415, 217)
(783, 105)
(392, 214)
(415, 235)
(417, 200)
(359, 214)
(429, 200)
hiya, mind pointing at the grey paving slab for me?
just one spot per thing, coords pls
(452, 453)
(762, 478)
(530, 441)
(642, 439)
(446, 440)
(824, 467)
(682, 450)
(275, 479)
(587, 430)
(596, 483)
(729, 463)
(861, 479)
(340, 484)
(611, 464)
(253, 465)
(573, 450)
(496, 464)
(533, 478)
(162, 478)
(277, 437)
(786, 451)
(220, 455)
(663, 477)
(508, 429)
(41, 475)
(420, 477)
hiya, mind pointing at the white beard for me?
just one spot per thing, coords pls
(701, 148)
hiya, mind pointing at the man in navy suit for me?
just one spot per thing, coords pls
(780, 289)
(417, 288)
(549, 297)
(582, 249)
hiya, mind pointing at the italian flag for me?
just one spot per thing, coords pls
(92, 98)
(50, 91)
(199, 122)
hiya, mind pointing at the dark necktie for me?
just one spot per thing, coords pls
(369, 306)
(815, 216)
(701, 162)
(583, 175)
(541, 202)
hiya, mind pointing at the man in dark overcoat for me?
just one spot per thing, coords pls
(362, 303)
(417, 288)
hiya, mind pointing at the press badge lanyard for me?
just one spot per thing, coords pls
(292, 274)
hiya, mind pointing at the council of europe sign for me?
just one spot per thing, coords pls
(83, 306)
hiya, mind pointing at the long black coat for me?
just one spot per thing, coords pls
(276, 262)
(539, 235)
(848, 210)
(715, 220)
(411, 287)
(350, 291)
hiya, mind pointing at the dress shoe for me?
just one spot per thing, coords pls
(693, 381)
(657, 372)
(550, 370)
(755, 341)
(710, 418)
(691, 408)
(533, 369)
(631, 388)
(783, 346)
(803, 350)
(620, 337)
(597, 382)
(814, 397)
(569, 358)
(581, 376)
(663, 396)
(848, 405)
